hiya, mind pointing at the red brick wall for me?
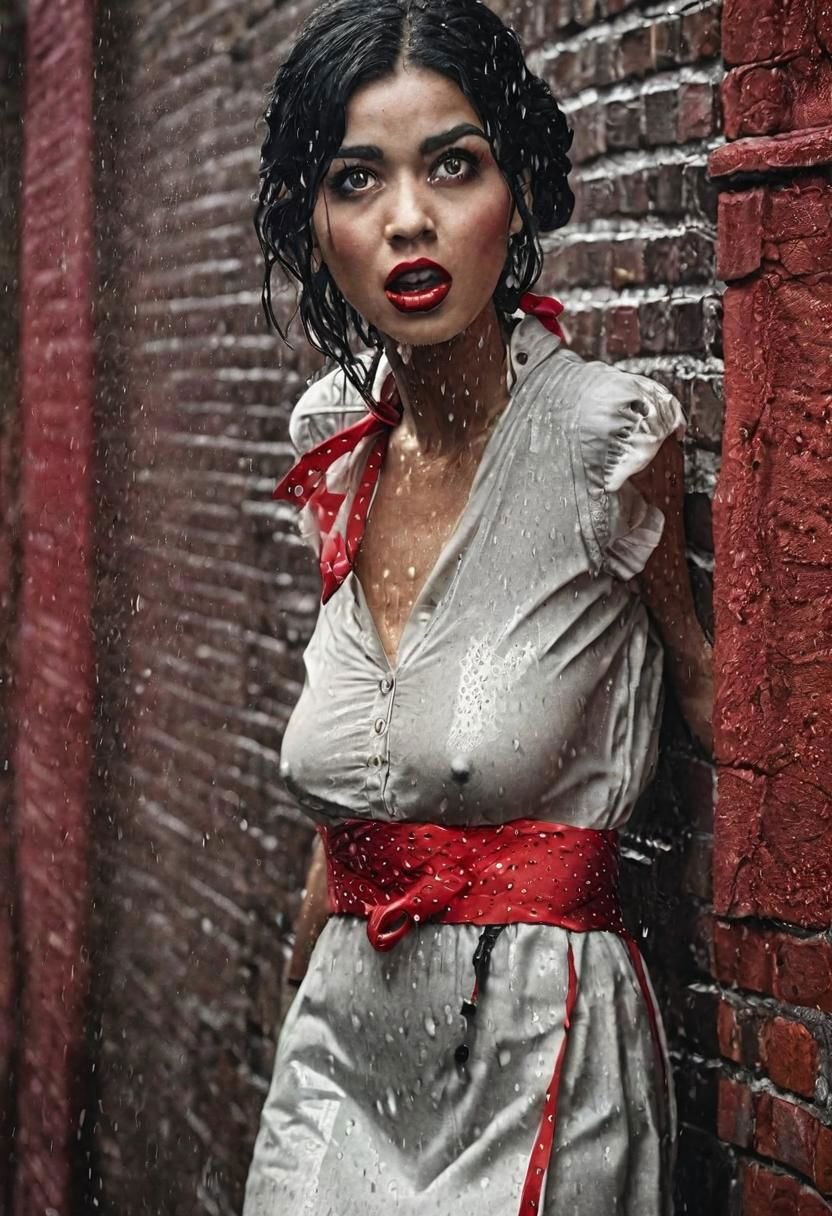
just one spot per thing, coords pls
(773, 901)
(52, 699)
(205, 600)
(11, 71)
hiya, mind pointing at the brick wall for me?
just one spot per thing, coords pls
(52, 696)
(11, 66)
(205, 597)
(770, 936)
(205, 600)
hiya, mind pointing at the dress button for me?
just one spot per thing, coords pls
(374, 761)
(522, 357)
(386, 684)
(379, 725)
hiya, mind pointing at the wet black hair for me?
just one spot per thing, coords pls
(346, 44)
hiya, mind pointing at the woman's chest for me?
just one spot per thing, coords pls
(413, 515)
(492, 704)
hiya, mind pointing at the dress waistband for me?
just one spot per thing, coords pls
(524, 871)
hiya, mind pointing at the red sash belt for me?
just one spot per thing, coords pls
(524, 871)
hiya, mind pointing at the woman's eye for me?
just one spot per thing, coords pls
(355, 179)
(458, 165)
(351, 181)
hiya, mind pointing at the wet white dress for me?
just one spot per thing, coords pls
(527, 685)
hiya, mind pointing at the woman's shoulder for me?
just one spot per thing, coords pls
(619, 421)
(327, 405)
(599, 389)
(602, 403)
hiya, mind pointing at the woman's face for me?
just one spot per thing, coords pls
(415, 178)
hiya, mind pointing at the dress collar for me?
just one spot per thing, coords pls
(340, 512)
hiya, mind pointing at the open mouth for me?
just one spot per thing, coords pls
(417, 286)
(416, 280)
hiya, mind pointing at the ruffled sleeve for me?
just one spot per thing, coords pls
(328, 404)
(624, 420)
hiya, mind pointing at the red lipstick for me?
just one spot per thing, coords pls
(417, 286)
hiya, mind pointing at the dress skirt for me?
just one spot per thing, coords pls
(369, 1113)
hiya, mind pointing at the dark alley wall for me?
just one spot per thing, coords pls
(205, 600)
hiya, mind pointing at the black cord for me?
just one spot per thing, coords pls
(481, 962)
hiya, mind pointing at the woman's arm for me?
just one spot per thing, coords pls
(666, 589)
(312, 916)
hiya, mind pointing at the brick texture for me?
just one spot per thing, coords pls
(782, 78)
(769, 942)
(791, 1054)
(11, 76)
(52, 697)
(205, 601)
(783, 1131)
(773, 1192)
(773, 741)
(796, 969)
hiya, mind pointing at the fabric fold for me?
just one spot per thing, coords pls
(623, 425)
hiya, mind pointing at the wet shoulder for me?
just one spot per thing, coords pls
(594, 400)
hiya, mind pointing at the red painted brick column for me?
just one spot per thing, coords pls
(773, 532)
(54, 657)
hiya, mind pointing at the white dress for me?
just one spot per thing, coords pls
(527, 685)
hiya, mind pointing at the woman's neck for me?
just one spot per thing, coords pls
(451, 393)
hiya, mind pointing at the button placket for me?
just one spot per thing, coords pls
(378, 755)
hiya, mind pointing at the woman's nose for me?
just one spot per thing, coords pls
(409, 216)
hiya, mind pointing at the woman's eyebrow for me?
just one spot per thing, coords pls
(431, 144)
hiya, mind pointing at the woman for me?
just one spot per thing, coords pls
(493, 517)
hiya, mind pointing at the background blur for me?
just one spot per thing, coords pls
(155, 602)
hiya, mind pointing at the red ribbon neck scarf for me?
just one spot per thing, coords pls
(305, 484)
